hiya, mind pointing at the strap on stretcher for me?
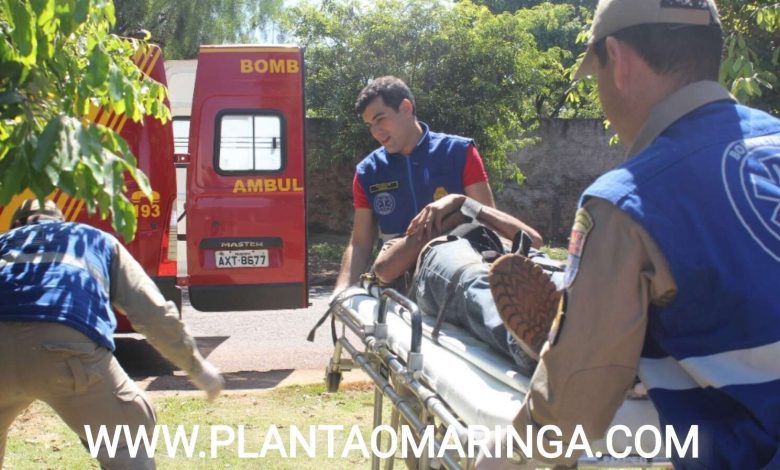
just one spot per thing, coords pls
(341, 297)
(368, 280)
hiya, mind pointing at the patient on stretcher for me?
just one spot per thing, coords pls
(444, 261)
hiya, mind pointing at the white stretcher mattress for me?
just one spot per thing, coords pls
(480, 385)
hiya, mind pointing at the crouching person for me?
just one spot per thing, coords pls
(448, 242)
(58, 282)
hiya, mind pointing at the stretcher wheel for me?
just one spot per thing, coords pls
(333, 380)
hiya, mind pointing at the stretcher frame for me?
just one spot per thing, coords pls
(401, 380)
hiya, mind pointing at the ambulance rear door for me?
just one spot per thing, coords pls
(246, 212)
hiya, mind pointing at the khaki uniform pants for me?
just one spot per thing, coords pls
(80, 380)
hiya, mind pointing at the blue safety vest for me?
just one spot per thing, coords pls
(398, 186)
(707, 190)
(58, 272)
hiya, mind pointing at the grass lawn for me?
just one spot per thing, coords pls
(559, 253)
(38, 438)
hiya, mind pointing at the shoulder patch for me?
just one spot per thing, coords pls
(384, 203)
(751, 176)
(583, 223)
(439, 193)
(386, 186)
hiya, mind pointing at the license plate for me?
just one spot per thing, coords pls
(242, 259)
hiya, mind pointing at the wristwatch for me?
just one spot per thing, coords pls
(471, 208)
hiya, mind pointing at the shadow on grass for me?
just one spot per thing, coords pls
(241, 380)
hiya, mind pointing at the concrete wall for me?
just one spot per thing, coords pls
(328, 184)
(569, 156)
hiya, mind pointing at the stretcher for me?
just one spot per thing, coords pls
(454, 383)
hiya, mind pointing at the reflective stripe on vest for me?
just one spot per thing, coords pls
(742, 367)
(59, 272)
(17, 257)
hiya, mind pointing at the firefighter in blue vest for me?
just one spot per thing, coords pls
(674, 258)
(413, 168)
(58, 282)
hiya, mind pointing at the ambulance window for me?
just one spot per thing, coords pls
(181, 134)
(250, 143)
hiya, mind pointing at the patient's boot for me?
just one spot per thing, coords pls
(526, 298)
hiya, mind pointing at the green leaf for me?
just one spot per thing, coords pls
(13, 175)
(97, 71)
(143, 183)
(93, 164)
(62, 10)
(40, 184)
(725, 70)
(80, 11)
(131, 103)
(44, 10)
(45, 45)
(124, 217)
(738, 89)
(753, 88)
(66, 183)
(118, 107)
(116, 84)
(23, 33)
(737, 65)
(768, 77)
(110, 13)
(91, 153)
(47, 144)
(747, 69)
(69, 143)
(763, 82)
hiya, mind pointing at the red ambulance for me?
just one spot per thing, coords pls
(245, 197)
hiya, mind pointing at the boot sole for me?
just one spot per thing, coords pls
(526, 298)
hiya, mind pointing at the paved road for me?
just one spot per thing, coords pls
(255, 349)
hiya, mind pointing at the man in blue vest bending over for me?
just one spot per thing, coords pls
(58, 282)
(413, 167)
(674, 257)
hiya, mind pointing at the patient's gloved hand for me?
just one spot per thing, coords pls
(335, 294)
(209, 380)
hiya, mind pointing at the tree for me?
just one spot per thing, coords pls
(750, 58)
(182, 26)
(559, 29)
(473, 73)
(57, 60)
(752, 52)
(511, 6)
